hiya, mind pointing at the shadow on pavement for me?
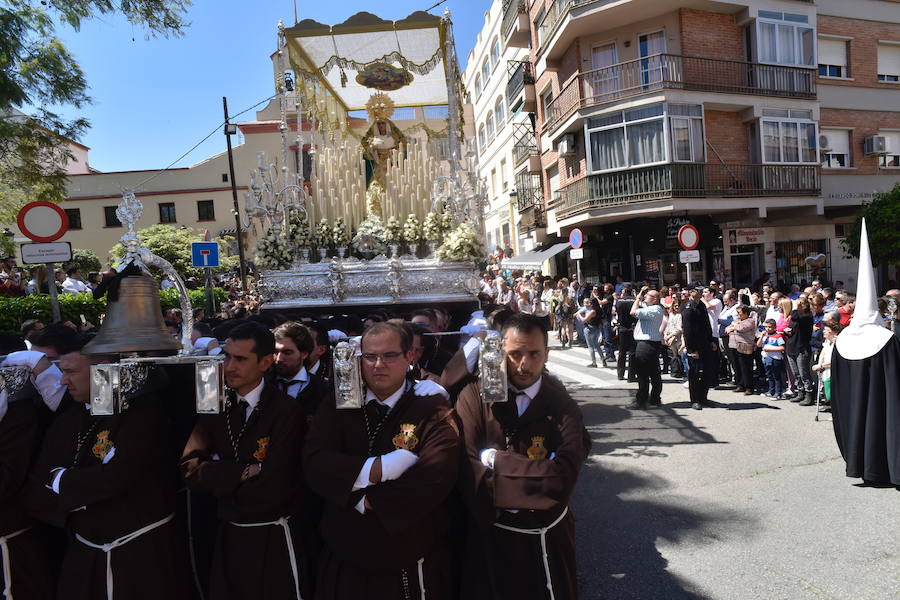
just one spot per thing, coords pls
(725, 405)
(623, 515)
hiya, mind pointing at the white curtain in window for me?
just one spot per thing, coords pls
(771, 142)
(645, 143)
(767, 49)
(808, 143)
(608, 149)
(499, 113)
(791, 142)
(787, 54)
(681, 139)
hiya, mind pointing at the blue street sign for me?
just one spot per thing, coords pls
(204, 254)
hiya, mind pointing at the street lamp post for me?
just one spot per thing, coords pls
(231, 129)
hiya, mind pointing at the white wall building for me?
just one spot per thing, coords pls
(495, 80)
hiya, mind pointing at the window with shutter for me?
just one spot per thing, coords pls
(833, 58)
(889, 62)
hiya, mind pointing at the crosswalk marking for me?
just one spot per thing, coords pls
(562, 361)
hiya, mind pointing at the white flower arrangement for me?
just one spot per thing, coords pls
(461, 244)
(393, 231)
(446, 221)
(298, 232)
(339, 235)
(323, 234)
(431, 227)
(272, 252)
(412, 230)
(369, 238)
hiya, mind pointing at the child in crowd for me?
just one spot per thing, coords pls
(772, 344)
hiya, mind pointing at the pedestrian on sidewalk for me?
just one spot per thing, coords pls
(741, 339)
(589, 315)
(772, 344)
(651, 318)
(565, 316)
(626, 334)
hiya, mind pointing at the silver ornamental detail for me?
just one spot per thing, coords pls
(13, 379)
(492, 369)
(129, 212)
(348, 387)
(133, 378)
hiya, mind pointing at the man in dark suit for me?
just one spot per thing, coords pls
(701, 349)
(248, 457)
(626, 334)
(293, 344)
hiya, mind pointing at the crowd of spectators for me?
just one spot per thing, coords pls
(769, 342)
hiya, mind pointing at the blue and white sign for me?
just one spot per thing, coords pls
(204, 254)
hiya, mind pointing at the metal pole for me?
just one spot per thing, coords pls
(51, 287)
(578, 270)
(688, 265)
(210, 304)
(234, 197)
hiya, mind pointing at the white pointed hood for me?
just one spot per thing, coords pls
(865, 335)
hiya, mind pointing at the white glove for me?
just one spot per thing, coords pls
(427, 387)
(336, 335)
(23, 358)
(394, 464)
(488, 456)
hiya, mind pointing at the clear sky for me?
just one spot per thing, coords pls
(155, 99)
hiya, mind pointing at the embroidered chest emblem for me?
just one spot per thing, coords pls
(406, 439)
(537, 450)
(103, 444)
(262, 447)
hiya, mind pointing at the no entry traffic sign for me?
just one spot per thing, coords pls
(688, 237)
(42, 221)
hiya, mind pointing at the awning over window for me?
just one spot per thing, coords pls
(532, 261)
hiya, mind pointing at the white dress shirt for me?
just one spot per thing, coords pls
(313, 370)
(74, 286)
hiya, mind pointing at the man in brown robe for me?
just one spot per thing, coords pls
(111, 481)
(385, 471)
(523, 461)
(248, 457)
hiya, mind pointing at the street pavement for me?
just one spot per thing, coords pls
(745, 499)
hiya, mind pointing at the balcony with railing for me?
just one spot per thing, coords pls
(687, 180)
(524, 143)
(514, 26)
(554, 16)
(671, 71)
(518, 75)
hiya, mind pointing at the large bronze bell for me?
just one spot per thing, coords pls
(134, 322)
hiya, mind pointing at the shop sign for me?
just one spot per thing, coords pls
(746, 237)
(673, 224)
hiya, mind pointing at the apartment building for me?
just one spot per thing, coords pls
(763, 123)
(499, 84)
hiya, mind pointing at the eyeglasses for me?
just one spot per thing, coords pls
(387, 358)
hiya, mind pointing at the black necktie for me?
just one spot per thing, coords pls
(285, 385)
(243, 407)
(377, 411)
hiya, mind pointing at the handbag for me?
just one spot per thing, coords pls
(745, 347)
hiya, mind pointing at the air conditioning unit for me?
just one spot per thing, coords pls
(876, 144)
(566, 145)
(825, 143)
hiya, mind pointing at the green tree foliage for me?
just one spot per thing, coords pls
(15, 311)
(39, 75)
(882, 216)
(174, 244)
(86, 261)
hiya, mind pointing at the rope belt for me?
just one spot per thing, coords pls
(404, 579)
(108, 548)
(543, 533)
(7, 570)
(283, 523)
